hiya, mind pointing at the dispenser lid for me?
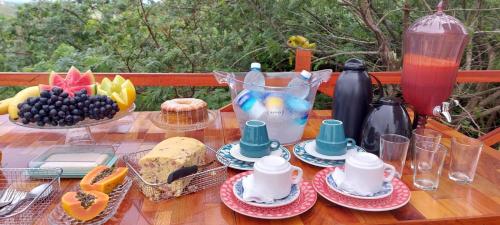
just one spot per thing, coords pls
(438, 23)
(391, 101)
(354, 64)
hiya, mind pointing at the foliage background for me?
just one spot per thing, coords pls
(204, 35)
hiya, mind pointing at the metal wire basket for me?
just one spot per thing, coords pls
(213, 175)
(25, 179)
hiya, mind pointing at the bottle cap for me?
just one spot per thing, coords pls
(305, 74)
(255, 65)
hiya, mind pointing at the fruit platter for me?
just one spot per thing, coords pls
(73, 101)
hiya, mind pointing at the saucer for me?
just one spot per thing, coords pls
(306, 200)
(236, 153)
(300, 152)
(238, 192)
(224, 156)
(387, 189)
(310, 147)
(399, 197)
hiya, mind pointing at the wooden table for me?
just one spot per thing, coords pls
(477, 203)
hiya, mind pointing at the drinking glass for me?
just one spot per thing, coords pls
(423, 134)
(428, 164)
(393, 150)
(465, 154)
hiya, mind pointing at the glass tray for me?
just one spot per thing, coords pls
(21, 180)
(106, 151)
(82, 124)
(214, 175)
(157, 119)
(58, 216)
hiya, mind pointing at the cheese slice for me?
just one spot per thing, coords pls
(70, 167)
(98, 158)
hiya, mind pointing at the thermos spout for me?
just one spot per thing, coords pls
(443, 110)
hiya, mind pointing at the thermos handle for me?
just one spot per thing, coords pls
(380, 87)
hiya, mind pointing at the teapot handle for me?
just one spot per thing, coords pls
(380, 87)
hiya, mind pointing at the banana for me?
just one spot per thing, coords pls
(21, 97)
(4, 106)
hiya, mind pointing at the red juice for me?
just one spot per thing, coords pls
(427, 82)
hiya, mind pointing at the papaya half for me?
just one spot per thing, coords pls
(103, 179)
(84, 205)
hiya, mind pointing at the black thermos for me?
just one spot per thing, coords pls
(352, 98)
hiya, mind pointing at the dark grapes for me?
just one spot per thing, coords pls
(58, 108)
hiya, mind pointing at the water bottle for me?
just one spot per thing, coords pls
(250, 102)
(298, 108)
(254, 79)
(299, 85)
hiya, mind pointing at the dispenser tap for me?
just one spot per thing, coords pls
(443, 110)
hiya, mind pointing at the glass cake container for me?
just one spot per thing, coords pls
(159, 121)
(214, 174)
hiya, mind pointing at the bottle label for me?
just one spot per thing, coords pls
(249, 102)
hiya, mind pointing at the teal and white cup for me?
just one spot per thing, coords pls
(255, 142)
(331, 139)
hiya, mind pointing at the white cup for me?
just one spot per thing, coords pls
(273, 177)
(364, 172)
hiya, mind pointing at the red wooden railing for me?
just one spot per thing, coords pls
(302, 61)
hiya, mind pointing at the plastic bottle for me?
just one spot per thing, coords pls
(254, 79)
(299, 85)
(250, 102)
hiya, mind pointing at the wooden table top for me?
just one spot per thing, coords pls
(477, 203)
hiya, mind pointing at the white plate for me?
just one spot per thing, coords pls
(387, 189)
(236, 153)
(224, 156)
(238, 192)
(310, 148)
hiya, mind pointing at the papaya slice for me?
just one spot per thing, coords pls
(84, 205)
(103, 179)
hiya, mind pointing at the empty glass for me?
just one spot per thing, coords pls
(393, 150)
(423, 134)
(428, 164)
(465, 154)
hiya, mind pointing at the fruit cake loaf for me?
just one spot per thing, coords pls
(166, 157)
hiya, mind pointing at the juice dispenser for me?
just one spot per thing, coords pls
(433, 47)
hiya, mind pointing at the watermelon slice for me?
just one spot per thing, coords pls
(91, 89)
(73, 82)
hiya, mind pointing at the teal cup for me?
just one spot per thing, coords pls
(331, 139)
(255, 142)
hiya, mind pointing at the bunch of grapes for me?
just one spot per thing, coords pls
(58, 108)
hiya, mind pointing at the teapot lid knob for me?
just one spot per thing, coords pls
(354, 64)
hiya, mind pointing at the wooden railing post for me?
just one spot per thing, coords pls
(303, 59)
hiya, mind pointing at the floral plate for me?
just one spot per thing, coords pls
(224, 155)
(304, 202)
